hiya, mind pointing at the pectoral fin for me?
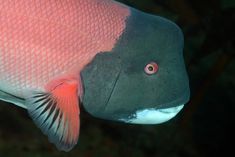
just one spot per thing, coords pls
(56, 113)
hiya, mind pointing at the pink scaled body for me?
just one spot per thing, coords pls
(44, 44)
(43, 39)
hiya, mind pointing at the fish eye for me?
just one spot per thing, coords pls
(151, 68)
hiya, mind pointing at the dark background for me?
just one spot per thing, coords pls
(203, 128)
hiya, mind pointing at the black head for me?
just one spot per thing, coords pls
(143, 79)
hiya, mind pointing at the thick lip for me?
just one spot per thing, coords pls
(153, 116)
(181, 100)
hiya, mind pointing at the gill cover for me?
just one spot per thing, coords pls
(99, 79)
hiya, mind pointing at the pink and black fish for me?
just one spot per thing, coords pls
(122, 64)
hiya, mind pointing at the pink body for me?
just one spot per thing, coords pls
(43, 40)
(44, 45)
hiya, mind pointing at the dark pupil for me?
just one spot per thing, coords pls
(150, 68)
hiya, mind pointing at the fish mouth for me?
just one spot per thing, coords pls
(153, 116)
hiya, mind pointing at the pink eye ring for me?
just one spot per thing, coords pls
(151, 68)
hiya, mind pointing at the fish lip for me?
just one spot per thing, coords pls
(153, 116)
(163, 112)
(171, 109)
(184, 99)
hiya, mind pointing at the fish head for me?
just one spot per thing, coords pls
(143, 80)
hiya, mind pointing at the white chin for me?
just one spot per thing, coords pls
(153, 116)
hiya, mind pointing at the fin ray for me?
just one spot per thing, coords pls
(56, 113)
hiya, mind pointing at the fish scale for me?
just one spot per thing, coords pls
(48, 38)
(44, 45)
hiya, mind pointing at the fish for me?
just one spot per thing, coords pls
(117, 62)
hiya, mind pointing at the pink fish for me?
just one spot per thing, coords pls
(45, 45)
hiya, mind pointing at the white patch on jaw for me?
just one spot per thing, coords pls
(153, 116)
